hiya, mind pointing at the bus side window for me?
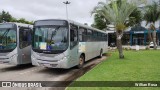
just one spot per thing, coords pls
(82, 34)
(106, 37)
(73, 35)
(30, 36)
(25, 37)
(89, 35)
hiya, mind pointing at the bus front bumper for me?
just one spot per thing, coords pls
(61, 63)
(9, 60)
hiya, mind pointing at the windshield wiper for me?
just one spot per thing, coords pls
(39, 28)
(54, 33)
(5, 33)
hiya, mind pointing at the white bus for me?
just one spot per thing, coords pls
(64, 44)
(15, 43)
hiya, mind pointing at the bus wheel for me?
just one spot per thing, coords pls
(81, 62)
(101, 54)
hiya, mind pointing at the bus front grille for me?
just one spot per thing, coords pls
(48, 65)
(53, 65)
(48, 60)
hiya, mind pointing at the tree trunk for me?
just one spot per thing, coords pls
(154, 35)
(150, 37)
(154, 39)
(119, 35)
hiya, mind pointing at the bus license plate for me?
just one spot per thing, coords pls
(45, 65)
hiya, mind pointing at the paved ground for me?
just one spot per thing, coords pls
(31, 73)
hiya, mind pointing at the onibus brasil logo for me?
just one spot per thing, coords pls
(20, 84)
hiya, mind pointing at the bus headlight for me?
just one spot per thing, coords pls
(64, 62)
(13, 56)
(64, 58)
(13, 59)
(33, 57)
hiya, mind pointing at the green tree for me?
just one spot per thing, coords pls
(100, 22)
(13, 19)
(5, 16)
(22, 20)
(118, 15)
(135, 18)
(0, 17)
(152, 14)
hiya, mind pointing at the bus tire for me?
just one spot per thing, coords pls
(101, 53)
(81, 61)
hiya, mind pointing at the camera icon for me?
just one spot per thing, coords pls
(6, 84)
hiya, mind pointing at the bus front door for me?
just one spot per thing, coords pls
(74, 45)
(25, 45)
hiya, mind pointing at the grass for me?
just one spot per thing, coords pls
(137, 66)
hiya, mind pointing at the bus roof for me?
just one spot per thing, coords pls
(76, 23)
(85, 26)
(19, 24)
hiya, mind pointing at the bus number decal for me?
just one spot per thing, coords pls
(43, 45)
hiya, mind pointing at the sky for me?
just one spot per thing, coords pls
(79, 10)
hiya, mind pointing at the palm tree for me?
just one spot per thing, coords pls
(152, 14)
(101, 23)
(118, 15)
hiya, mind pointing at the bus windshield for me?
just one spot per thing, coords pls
(50, 38)
(7, 39)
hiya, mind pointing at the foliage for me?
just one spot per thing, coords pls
(117, 14)
(22, 20)
(7, 17)
(100, 22)
(135, 18)
(152, 13)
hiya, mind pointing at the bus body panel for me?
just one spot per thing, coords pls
(73, 56)
(9, 58)
(24, 55)
(92, 49)
(16, 57)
